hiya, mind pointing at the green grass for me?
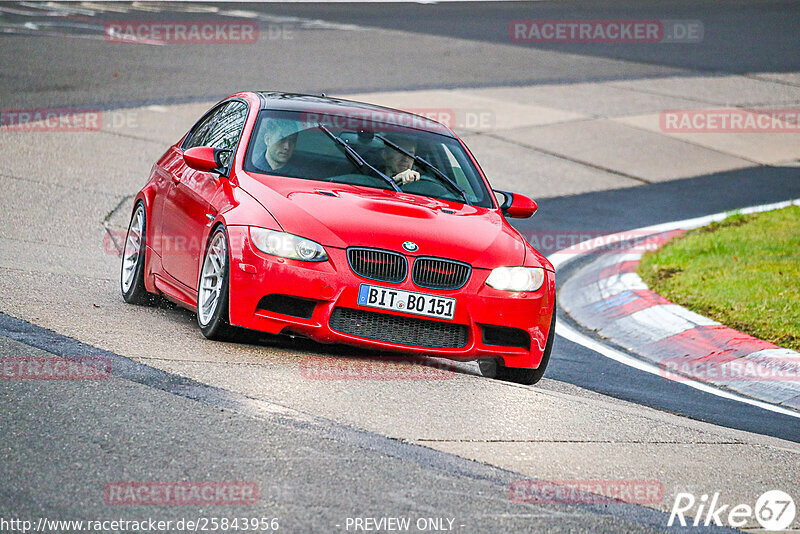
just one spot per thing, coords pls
(743, 272)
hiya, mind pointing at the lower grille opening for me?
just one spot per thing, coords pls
(503, 336)
(397, 329)
(287, 305)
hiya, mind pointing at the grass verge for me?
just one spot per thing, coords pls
(743, 272)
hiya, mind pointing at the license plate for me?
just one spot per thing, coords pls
(406, 301)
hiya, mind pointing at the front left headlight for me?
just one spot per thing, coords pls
(516, 278)
(286, 245)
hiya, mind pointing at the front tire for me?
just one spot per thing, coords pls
(131, 277)
(212, 288)
(495, 368)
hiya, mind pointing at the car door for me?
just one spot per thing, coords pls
(187, 210)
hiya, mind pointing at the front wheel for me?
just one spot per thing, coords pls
(131, 277)
(495, 368)
(212, 289)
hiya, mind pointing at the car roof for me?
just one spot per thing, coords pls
(325, 105)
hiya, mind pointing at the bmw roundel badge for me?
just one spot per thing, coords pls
(410, 246)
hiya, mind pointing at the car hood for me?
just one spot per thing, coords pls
(338, 215)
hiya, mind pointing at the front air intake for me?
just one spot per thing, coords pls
(436, 273)
(381, 265)
(400, 330)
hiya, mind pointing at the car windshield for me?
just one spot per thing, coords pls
(339, 149)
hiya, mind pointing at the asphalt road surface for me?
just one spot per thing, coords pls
(447, 47)
(320, 455)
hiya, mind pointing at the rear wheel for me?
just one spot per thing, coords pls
(212, 290)
(495, 368)
(131, 278)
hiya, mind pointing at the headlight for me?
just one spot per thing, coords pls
(516, 278)
(287, 245)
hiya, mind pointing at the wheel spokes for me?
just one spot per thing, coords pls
(131, 253)
(211, 279)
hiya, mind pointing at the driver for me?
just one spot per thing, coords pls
(280, 138)
(396, 164)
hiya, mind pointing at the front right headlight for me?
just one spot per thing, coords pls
(286, 245)
(516, 278)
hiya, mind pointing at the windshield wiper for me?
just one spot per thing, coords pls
(356, 158)
(430, 166)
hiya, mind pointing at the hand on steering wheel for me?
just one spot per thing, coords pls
(406, 176)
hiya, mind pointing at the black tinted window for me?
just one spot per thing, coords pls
(221, 128)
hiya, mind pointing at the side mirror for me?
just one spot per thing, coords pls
(205, 158)
(516, 205)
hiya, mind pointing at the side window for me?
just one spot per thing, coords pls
(200, 131)
(458, 172)
(221, 128)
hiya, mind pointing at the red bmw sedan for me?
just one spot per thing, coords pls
(346, 223)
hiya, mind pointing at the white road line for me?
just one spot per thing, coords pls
(52, 27)
(45, 33)
(567, 332)
(14, 11)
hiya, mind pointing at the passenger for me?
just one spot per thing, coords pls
(396, 164)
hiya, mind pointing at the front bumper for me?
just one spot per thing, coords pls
(332, 284)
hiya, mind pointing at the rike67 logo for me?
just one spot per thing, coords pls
(774, 510)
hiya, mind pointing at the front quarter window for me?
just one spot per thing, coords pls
(220, 129)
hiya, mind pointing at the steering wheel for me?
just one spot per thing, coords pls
(427, 186)
(360, 179)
